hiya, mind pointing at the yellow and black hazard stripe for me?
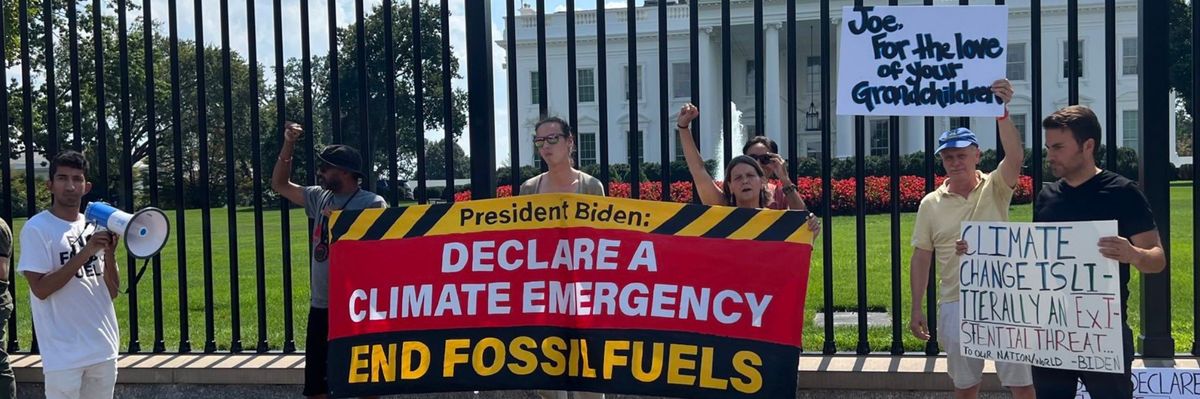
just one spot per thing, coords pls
(737, 223)
(684, 220)
(389, 223)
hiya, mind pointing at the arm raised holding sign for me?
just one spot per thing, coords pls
(1010, 138)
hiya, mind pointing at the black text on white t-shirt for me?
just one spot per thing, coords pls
(89, 269)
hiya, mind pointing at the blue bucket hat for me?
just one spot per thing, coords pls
(956, 138)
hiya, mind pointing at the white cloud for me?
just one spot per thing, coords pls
(608, 5)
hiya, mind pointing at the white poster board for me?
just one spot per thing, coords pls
(1041, 294)
(922, 61)
(1160, 383)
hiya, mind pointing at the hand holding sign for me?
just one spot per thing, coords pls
(1003, 91)
(1118, 249)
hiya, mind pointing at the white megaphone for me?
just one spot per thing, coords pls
(145, 232)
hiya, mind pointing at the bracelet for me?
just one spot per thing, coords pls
(682, 127)
(289, 159)
(791, 188)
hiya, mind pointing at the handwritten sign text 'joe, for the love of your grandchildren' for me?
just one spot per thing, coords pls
(923, 61)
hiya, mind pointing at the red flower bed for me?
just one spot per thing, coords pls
(878, 192)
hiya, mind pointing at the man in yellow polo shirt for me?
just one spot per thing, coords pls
(967, 194)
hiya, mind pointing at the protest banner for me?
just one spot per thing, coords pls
(1041, 294)
(922, 61)
(565, 291)
(1160, 383)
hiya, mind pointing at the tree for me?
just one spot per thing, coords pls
(349, 84)
(139, 126)
(435, 161)
(37, 37)
(1179, 50)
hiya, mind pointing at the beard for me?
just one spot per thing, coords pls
(331, 185)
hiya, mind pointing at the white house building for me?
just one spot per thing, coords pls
(1054, 81)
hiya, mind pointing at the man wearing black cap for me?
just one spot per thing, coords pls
(967, 194)
(338, 175)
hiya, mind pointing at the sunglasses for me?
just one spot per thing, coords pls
(763, 158)
(551, 139)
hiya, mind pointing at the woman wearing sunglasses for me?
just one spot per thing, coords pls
(555, 143)
(745, 184)
(766, 152)
(763, 150)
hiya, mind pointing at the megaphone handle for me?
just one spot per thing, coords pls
(137, 277)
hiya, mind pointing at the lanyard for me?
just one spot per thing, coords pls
(325, 219)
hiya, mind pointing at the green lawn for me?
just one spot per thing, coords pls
(878, 278)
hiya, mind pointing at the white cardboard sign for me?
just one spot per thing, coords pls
(921, 61)
(1041, 294)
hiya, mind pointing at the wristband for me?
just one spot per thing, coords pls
(682, 126)
(1005, 116)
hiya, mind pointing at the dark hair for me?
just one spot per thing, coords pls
(70, 159)
(1082, 123)
(764, 140)
(743, 159)
(566, 127)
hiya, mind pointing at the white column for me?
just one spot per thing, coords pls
(618, 147)
(843, 132)
(710, 93)
(845, 137)
(771, 83)
(912, 134)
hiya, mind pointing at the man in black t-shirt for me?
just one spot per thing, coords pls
(1085, 192)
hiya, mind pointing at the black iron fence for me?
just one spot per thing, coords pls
(191, 127)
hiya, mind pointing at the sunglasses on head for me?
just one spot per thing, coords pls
(551, 139)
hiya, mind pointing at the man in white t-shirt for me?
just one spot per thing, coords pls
(71, 289)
